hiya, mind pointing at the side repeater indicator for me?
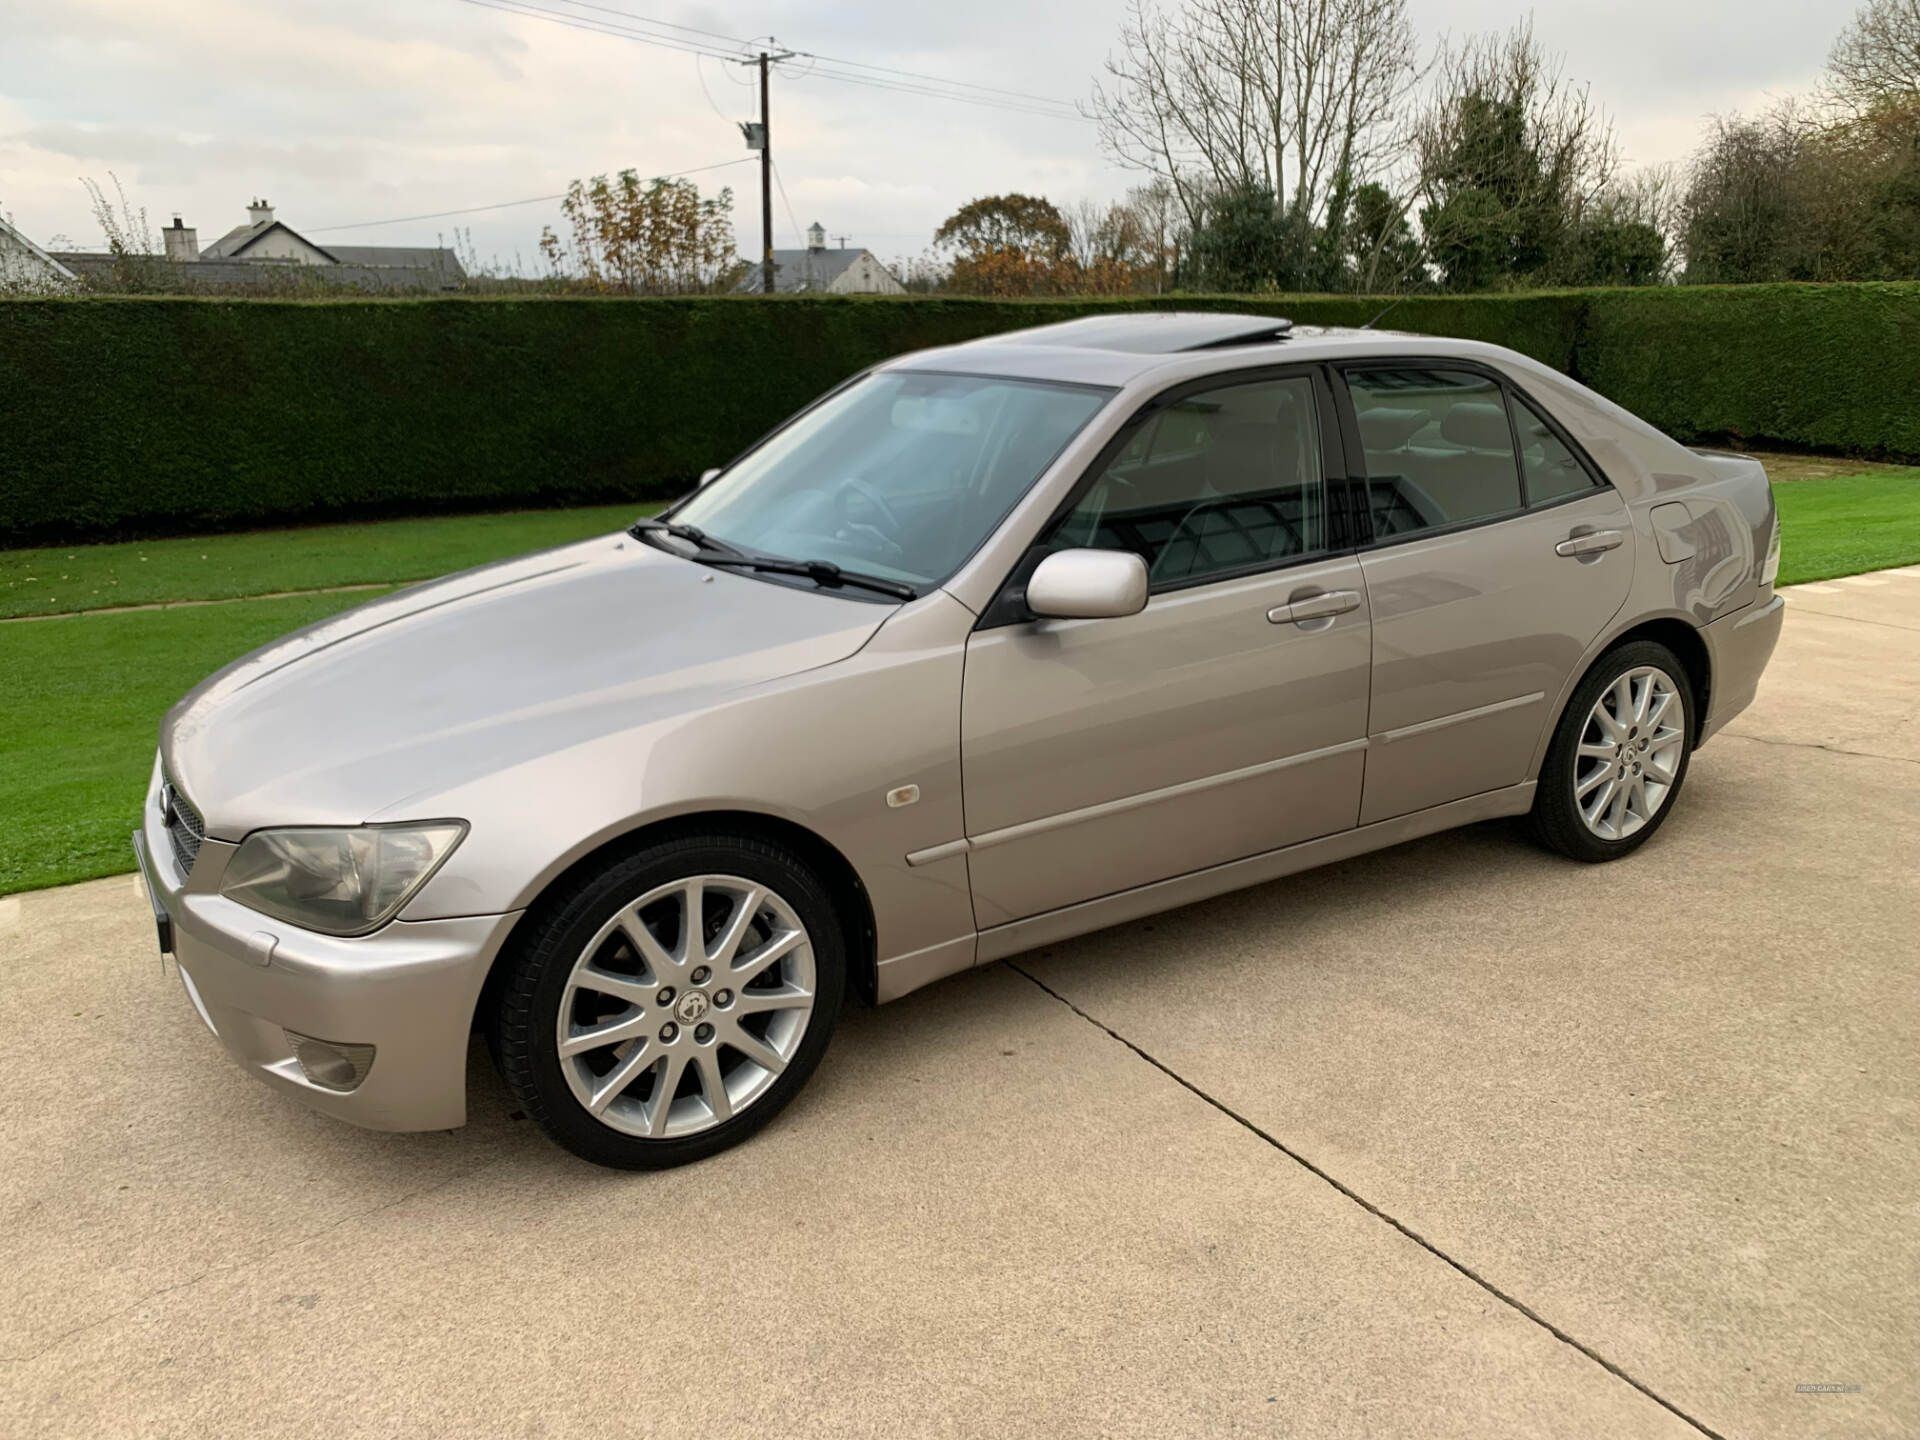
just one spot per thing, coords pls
(902, 795)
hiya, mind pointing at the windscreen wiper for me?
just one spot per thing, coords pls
(821, 572)
(692, 534)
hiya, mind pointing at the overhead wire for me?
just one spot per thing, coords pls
(710, 43)
(508, 204)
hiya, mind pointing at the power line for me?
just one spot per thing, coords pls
(1016, 102)
(792, 219)
(507, 204)
(597, 27)
(1012, 107)
(936, 79)
(747, 45)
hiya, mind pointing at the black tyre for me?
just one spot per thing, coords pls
(1619, 755)
(640, 1040)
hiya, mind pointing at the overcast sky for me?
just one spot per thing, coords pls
(367, 110)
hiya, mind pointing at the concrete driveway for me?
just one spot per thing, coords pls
(1459, 1139)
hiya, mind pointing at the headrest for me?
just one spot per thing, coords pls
(1389, 429)
(1478, 426)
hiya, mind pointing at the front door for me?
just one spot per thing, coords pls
(1227, 718)
(1500, 554)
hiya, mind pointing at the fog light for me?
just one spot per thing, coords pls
(331, 1066)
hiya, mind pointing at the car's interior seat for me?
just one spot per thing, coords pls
(1251, 508)
(1474, 474)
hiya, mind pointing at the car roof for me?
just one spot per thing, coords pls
(1119, 350)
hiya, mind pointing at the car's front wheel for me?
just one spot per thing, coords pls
(1618, 756)
(670, 1005)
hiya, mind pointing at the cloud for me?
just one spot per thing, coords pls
(367, 109)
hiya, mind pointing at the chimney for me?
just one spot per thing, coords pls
(260, 213)
(816, 236)
(182, 241)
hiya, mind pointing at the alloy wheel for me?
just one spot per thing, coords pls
(685, 1006)
(1629, 753)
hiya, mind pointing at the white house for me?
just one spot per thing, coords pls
(817, 270)
(25, 267)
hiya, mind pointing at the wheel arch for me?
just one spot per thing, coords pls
(836, 872)
(1684, 641)
(1675, 632)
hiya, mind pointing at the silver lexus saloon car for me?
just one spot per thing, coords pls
(990, 646)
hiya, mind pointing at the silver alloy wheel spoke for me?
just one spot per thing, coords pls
(787, 997)
(756, 1050)
(619, 1078)
(755, 964)
(597, 1037)
(727, 997)
(1627, 756)
(621, 987)
(713, 1086)
(665, 1084)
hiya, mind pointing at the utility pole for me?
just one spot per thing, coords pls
(766, 183)
(759, 136)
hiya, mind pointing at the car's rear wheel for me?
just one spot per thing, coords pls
(1619, 755)
(670, 1005)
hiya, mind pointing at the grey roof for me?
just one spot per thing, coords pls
(422, 257)
(796, 271)
(262, 277)
(230, 245)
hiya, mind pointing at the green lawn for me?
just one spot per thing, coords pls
(83, 695)
(218, 567)
(84, 699)
(1848, 524)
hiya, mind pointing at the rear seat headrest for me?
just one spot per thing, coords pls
(1477, 425)
(1383, 428)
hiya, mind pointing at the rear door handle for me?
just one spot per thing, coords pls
(1591, 543)
(1324, 606)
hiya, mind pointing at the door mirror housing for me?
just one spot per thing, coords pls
(707, 477)
(1088, 585)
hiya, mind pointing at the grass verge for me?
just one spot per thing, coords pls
(82, 718)
(1848, 524)
(72, 578)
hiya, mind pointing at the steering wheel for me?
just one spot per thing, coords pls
(887, 531)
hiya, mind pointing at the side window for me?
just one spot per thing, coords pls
(1218, 482)
(1552, 471)
(1439, 449)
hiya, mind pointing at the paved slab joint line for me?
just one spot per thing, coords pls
(1374, 1210)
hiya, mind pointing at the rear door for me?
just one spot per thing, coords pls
(1225, 719)
(1499, 553)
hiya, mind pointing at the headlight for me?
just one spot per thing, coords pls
(339, 882)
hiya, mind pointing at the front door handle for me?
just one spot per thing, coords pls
(1324, 606)
(1594, 542)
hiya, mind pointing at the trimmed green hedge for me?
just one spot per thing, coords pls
(142, 415)
(1832, 368)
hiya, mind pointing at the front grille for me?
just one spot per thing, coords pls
(184, 826)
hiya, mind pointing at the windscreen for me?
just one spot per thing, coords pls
(901, 475)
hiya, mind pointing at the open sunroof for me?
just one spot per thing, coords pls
(1161, 332)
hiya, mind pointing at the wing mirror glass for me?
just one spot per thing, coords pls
(1088, 585)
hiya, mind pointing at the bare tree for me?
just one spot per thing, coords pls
(1511, 154)
(1295, 98)
(1877, 56)
(1163, 234)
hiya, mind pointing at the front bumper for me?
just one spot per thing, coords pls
(408, 990)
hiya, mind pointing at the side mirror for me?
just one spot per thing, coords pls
(707, 477)
(1088, 585)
